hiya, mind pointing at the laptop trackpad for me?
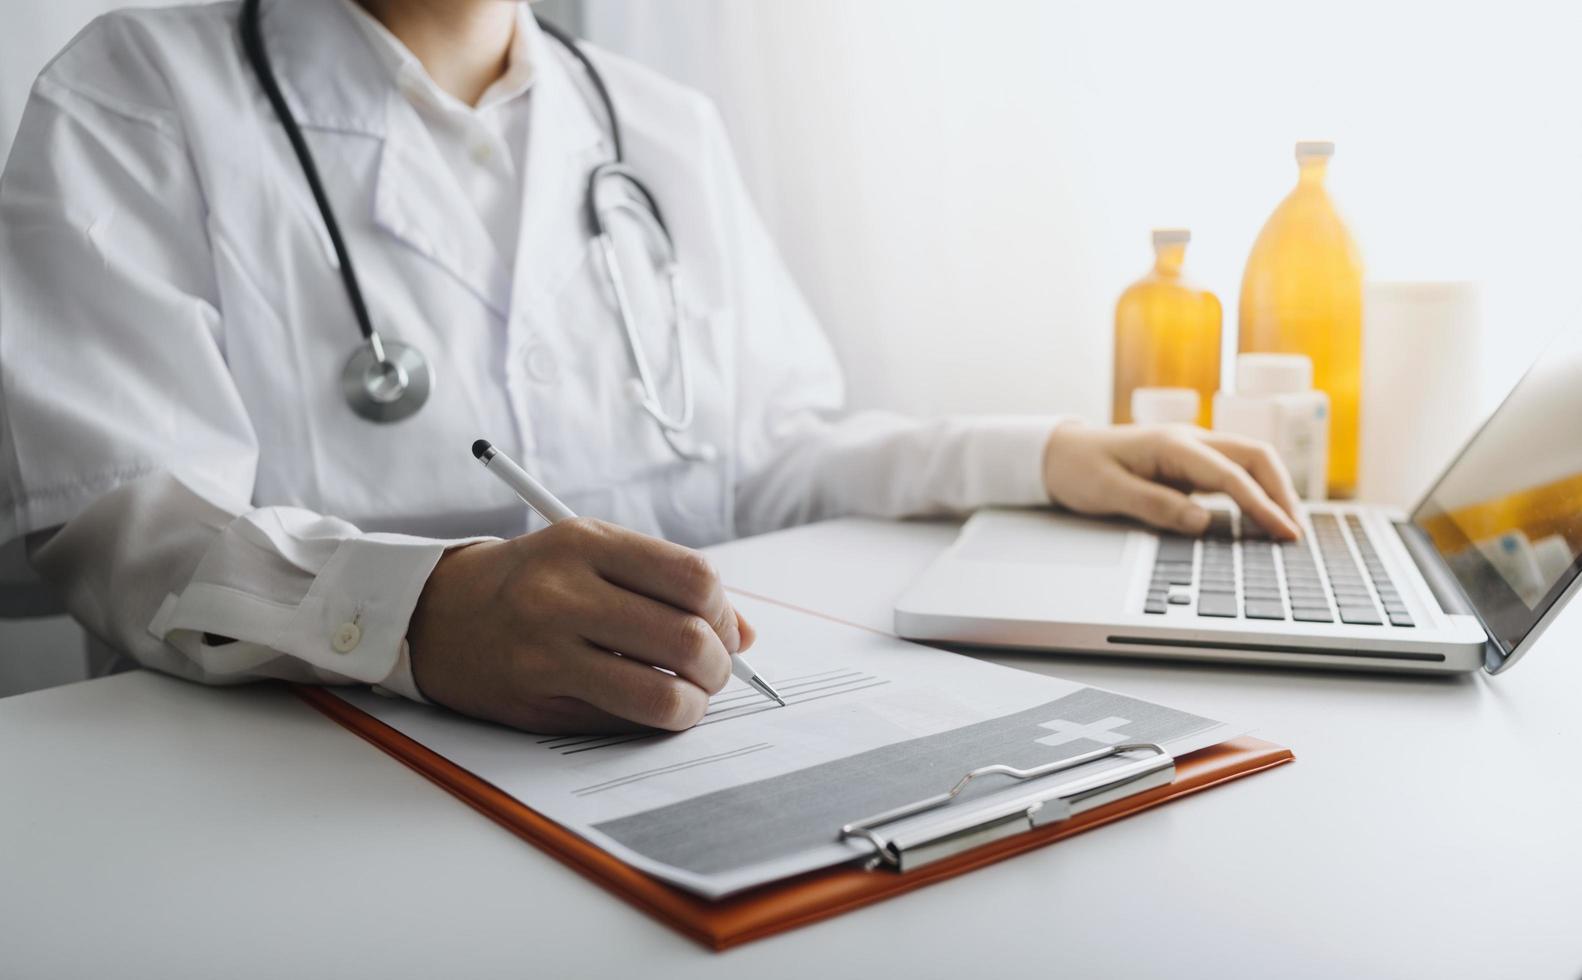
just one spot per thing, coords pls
(1032, 566)
(1042, 539)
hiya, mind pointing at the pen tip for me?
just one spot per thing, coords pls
(762, 687)
(481, 447)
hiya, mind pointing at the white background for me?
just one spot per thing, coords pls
(963, 189)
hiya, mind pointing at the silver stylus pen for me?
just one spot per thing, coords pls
(545, 504)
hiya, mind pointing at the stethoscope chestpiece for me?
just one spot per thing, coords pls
(386, 389)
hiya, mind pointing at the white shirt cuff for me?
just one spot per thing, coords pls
(400, 682)
(351, 624)
(1008, 456)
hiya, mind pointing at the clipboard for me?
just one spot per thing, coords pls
(1147, 779)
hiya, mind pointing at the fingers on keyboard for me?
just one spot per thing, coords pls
(1266, 588)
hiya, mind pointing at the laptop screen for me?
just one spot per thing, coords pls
(1507, 516)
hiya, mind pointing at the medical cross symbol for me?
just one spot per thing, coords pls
(1102, 732)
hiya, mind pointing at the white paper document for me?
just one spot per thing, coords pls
(757, 792)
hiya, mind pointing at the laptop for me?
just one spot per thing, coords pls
(1466, 580)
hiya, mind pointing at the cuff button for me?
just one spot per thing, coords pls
(346, 637)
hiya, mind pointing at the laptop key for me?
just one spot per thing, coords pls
(1360, 615)
(1221, 604)
(1311, 614)
(1401, 619)
(1154, 605)
(1265, 609)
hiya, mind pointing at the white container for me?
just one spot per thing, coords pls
(1275, 402)
(1421, 392)
(1163, 406)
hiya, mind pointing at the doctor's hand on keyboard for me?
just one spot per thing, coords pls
(520, 631)
(1146, 472)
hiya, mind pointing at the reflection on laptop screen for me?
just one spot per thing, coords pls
(1507, 516)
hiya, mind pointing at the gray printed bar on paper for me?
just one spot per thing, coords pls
(787, 814)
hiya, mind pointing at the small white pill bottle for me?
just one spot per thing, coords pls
(1159, 406)
(1274, 401)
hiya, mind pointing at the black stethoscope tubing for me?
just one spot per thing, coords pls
(253, 45)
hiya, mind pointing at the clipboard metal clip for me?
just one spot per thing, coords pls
(904, 850)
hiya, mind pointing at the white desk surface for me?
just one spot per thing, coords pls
(153, 828)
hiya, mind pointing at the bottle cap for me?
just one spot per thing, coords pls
(1273, 374)
(1157, 406)
(1171, 236)
(1315, 150)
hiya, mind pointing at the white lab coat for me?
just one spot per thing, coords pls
(173, 327)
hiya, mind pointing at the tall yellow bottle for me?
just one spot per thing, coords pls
(1166, 331)
(1302, 294)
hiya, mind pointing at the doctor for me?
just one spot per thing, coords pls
(186, 453)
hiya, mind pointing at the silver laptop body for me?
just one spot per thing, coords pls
(1467, 580)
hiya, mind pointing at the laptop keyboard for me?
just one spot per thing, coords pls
(1284, 581)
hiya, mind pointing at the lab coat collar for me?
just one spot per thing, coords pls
(331, 76)
(418, 201)
(336, 81)
(566, 140)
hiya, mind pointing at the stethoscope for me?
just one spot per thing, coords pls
(386, 380)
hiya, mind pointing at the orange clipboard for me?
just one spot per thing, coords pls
(782, 905)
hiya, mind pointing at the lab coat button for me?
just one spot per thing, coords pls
(541, 365)
(346, 638)
(481, 152)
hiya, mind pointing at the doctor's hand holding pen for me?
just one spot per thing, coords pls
(519, 631)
